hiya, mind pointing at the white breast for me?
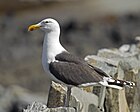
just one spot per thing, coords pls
(51, 48)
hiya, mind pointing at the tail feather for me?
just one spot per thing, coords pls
(115, 83)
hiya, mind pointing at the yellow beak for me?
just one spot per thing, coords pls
(33, 27)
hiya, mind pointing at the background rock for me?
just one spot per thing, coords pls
(127, 67)
(39, 107)
(15, 98)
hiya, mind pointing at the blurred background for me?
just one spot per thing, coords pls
(86, 26)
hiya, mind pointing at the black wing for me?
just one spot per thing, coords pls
(73, 70)
(99, 71)
(67, 57)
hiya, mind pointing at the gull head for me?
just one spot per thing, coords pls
(47, 25)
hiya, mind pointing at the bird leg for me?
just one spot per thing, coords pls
(102, 98)
(68, 95)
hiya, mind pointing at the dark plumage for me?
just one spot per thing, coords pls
(74, 71)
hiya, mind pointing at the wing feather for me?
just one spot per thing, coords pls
(75, 74)
(74, 70)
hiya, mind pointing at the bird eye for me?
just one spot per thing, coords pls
(46, 21)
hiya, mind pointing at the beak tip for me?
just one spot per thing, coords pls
(30, 29)
(33, 27)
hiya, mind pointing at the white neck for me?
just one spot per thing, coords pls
(51, 47)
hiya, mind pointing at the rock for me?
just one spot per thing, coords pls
(133, 95)
(137, 38)
(124, 48)
(126, 63)
(57, 95)
(107, 65)
(39, 107)
(14, 98)
(81, 100)
(108, 53)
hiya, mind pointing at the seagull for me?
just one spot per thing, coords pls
(67, 68)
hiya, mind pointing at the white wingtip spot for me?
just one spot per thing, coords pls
(118, 81)
(131, 84)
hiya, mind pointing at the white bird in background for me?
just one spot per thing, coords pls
(67, 68)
